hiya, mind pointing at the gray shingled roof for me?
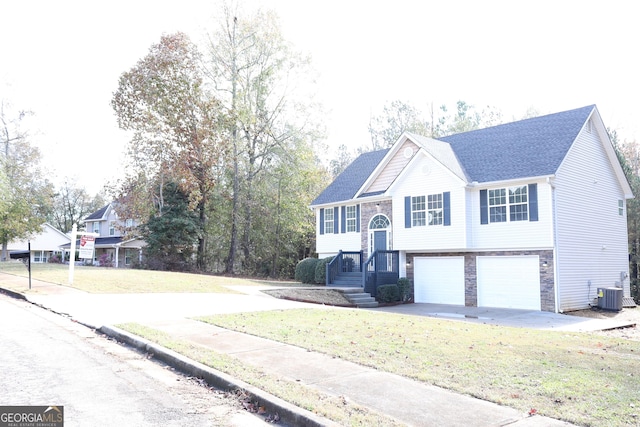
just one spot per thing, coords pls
(97, 214)
(345, 186)
(527, 148)
(522, 149)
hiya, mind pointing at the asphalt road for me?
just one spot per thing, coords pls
(47, 359)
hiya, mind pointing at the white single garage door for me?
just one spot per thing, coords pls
(508, 282)
(439, 280)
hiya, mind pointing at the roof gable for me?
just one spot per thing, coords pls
(347, 184)
(99, 214)
(526, 148)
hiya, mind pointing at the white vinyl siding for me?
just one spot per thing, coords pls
(428, 177)
(512, 234)
(587, 198)
(328, 244)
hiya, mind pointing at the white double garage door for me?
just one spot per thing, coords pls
(502, 281)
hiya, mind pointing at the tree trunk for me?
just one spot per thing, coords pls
(276, 246)
(233, 244)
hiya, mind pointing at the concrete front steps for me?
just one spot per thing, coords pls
(359, 297)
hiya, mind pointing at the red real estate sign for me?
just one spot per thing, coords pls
(87, 245)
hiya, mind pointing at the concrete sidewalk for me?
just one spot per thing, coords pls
(408, 401)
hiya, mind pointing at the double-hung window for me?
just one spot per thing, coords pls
(418, 211)
(497, 205)
(112, 228)
(350, 215)
(512, 201)
(328, 221)
(518, 204)
(434, 208)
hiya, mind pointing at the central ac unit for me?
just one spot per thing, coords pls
(610, 298)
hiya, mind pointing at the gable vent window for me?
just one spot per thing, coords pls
(620, 207)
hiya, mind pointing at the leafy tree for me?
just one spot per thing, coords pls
(71, 205)
(397, 117)
(26, 194)
(177, 124)
(341, 161)
(256, 75)
(465, 118)
(172, 232)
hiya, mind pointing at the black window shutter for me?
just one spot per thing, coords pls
(336, 212)
(533, 202)
(358, 218)
(407, 212)
(484, 207)
(322, 221)
(343, 220)
(446, 208)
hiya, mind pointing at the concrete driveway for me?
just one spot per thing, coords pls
(508, 317)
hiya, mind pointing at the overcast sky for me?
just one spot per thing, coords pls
(62, 59)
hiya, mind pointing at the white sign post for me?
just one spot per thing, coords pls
(87, 245)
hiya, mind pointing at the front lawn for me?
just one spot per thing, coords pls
(581, 378)
(121, 280)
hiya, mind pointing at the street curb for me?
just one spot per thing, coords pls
(289, 413)
(13, 294)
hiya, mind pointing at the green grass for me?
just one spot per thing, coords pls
(328, 406)
(120, 280)
(581, 378)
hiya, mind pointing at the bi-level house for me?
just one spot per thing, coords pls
(122, 251)
(528, 215)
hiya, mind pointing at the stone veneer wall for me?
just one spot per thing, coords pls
(547, 292)
(368, 211)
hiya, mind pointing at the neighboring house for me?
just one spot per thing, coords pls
(44, 245)
(529, 215)
(123, 252)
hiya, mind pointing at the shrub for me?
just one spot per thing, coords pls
(321, 270)
(105, 260)
(388, 293)
(405, 289)
(306, 270)
(55, 259)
